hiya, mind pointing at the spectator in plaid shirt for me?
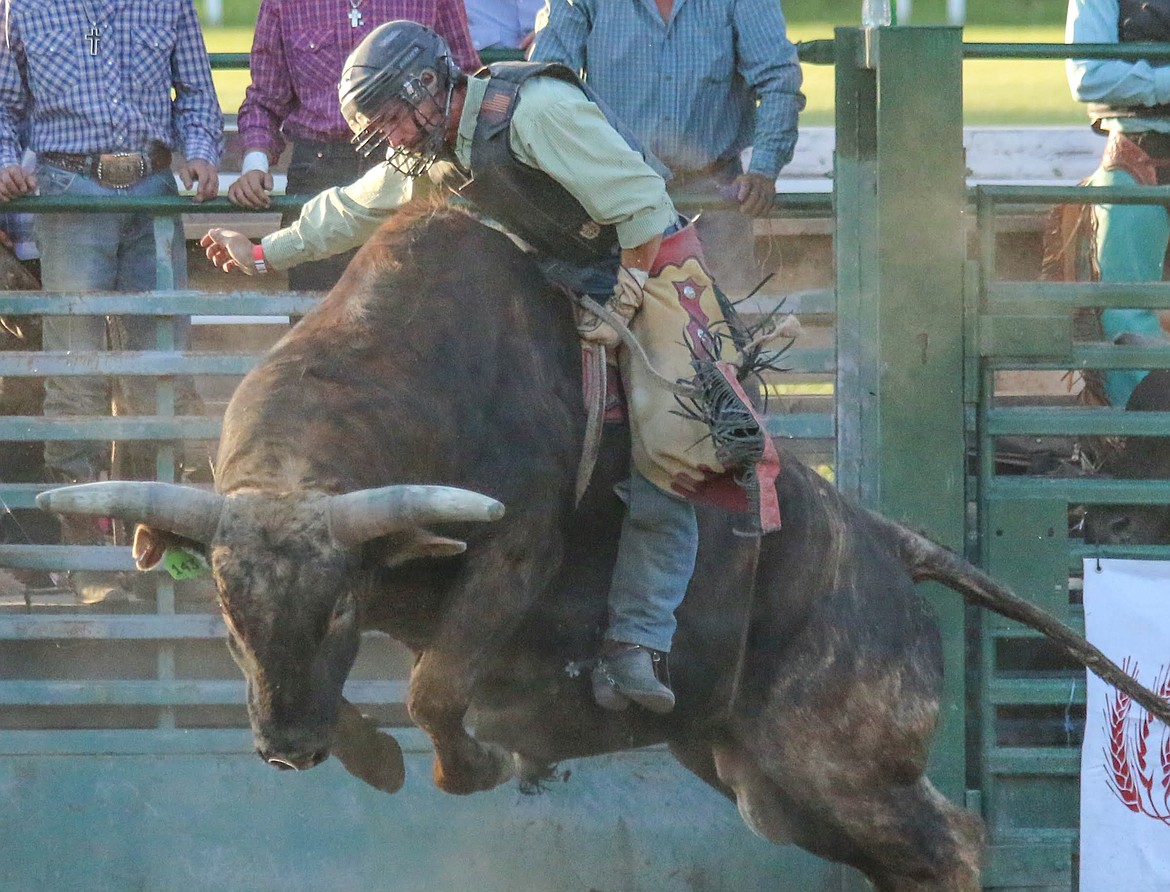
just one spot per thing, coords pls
(106, 91)
(298, 52)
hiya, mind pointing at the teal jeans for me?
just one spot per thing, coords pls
(1131, 245)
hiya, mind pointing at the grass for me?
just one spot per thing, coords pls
(1002, 92)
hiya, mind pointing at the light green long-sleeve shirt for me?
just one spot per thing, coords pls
(556, 128)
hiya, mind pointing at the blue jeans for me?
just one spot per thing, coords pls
(1131, 244)
(655, 561)
(99, 252)
(316, 166)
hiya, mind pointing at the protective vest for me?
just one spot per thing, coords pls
(528, 201)
(1139, 21)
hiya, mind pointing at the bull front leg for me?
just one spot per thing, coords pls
(498, 586)
(440, 693)
(367, 753)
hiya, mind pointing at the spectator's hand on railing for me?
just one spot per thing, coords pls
(756, 193)
(203, 172)
(15, 181)
(229, 250)
(251, 190)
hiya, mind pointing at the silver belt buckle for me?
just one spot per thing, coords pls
(121, 169)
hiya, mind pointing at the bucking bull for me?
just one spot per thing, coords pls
(361, 482)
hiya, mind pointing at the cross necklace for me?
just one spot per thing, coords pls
(95, 35)
(355, 14)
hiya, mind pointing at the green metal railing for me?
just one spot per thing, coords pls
(916, 316)
(1029, 782)
(1030, 716)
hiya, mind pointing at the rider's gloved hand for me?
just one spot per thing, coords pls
(626, 300)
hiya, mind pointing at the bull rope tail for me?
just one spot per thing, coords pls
(679, 389)
(927, 560)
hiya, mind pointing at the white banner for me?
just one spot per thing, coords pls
(1125, 761)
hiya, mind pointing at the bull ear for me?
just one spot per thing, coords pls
(184, 510)
(150, 545)
(357, 517)
(420, 544)
(148, 548)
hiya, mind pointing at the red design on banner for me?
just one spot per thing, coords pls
(1129, 773)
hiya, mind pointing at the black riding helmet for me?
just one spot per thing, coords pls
(405, 62)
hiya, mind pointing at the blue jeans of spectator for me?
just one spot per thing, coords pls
(1131, 247)
(99, 252)
(660, 533)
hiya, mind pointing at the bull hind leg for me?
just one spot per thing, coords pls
(905, 838)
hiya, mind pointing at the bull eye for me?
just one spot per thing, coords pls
(344, 613)
(1120, 525)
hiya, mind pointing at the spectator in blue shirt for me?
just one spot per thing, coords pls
(502, 24)
(1130, 102)
(696, 83)
(107, 90)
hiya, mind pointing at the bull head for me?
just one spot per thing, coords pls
(1127, 525)
(286, 572)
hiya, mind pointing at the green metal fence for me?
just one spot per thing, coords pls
(927, 330)
(1031, 703)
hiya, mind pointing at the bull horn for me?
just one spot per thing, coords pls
(184, 510)
(357, 517)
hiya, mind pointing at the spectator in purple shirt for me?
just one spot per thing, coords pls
(298, 52)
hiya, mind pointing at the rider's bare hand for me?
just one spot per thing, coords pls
(229, 250)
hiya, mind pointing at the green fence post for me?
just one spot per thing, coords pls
(900, 179)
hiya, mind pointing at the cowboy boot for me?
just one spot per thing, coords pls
(628, 673)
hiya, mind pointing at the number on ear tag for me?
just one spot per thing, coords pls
(184, 564)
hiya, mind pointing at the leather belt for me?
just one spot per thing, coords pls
(115, 170)
(720, 169)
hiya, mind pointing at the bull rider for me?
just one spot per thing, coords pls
(529, 147)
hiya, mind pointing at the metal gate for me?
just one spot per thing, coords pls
(1031, 702)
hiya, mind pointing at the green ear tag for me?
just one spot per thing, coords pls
(183, 564)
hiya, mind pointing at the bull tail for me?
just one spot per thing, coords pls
(927, 560)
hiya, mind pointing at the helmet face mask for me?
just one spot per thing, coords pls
(412, 130)
(396, 91)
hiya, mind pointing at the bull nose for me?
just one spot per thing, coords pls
(295, 761)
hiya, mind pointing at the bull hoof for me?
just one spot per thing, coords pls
(487, 767)
(535, 776)
(370, 755)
